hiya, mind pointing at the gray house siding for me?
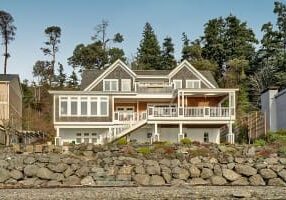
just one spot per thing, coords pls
(273, 104)
(118, 73)
(82, 119)
(185, 74)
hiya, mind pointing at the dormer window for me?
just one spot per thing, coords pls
(110, 85)
(177, 84)
(126, 85)
(194, 84)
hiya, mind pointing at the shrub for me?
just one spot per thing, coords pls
(282, 151)
(144, 150)
(259, 143)
(186, 141)
(122, 141)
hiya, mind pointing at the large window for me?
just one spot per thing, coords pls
(74, 101)
(83, 106)
(193, 84)
(126, 85)
(110, 85)
(177, 84)
(64, 106)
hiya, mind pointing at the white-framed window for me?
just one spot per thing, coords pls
(74, 105)
(78, 138)
(93, 106)
(103, 106)
(125, 85)
(84, 106)
(193, 84)
(64, 106)
(110, 85)
(206, 137)
(177, 84)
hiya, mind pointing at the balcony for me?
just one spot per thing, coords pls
(154, 88)
(191, 113)
(129, 117)
(175, 113)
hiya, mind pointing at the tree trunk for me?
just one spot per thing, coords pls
(5, 56)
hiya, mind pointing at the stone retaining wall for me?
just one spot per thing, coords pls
(124, 166)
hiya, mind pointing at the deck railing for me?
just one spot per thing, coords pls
(127, 116)
(189, 112)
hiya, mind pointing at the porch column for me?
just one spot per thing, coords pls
(180, 134)
(58, 141)
(183, 104)
(230, 135)
(156, 136)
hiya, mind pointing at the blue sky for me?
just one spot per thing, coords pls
(77, 18)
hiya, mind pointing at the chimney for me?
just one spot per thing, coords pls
(268, 107)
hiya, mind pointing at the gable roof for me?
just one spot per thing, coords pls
(209, 76)
(185, 63)
(108, 71)
(88, 76)
(9, 77)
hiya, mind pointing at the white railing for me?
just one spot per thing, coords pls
(125, 116)
(188, 112)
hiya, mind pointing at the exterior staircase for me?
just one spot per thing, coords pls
(126, 130)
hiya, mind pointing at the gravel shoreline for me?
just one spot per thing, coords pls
(150, 193)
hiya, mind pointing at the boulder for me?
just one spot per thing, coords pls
(155, 169)
(195, 160)
(16, 174)
(44, 173)
(29, 160)
(206, 173)
(123, 177)
(156, 180)
(72, 181)
(29, 182)
(230, 174)
(53, 183)
(282, 174)
(217, 170)
(87, 181)
(83, 171)
(218, 180)
(240, 181)
(271, 161)
(4, 164)
(256, 180)
(4, 175)
(198, 181)
(139, 169)
(57, 177)
(245, 170)
(61, 167)
(165, 162)
(141, 179)
(241, 194)
(180, 173)
(267, 173)
(31, 170)
(276, 182)
(125, 170)
(194, 172)
(167, 176)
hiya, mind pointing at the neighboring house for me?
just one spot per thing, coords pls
(273, 104)
(10, 107)
(145, 105)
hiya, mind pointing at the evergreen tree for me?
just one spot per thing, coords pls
(149, 54)
(73, 80)
(61, 77)
(168, 58)
(186, 51)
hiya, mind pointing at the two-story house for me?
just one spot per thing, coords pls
(10, 107)
(145, 105)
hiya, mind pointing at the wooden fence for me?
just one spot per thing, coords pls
(255, 123)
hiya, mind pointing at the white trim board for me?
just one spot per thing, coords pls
(108, 71)
(185, 63)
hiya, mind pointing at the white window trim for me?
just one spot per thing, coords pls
(99, 99)
(177, 80)
(129, 83)
(106, 80)
(90, 137)
(193, 81)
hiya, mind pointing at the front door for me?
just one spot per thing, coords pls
(126, 113)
